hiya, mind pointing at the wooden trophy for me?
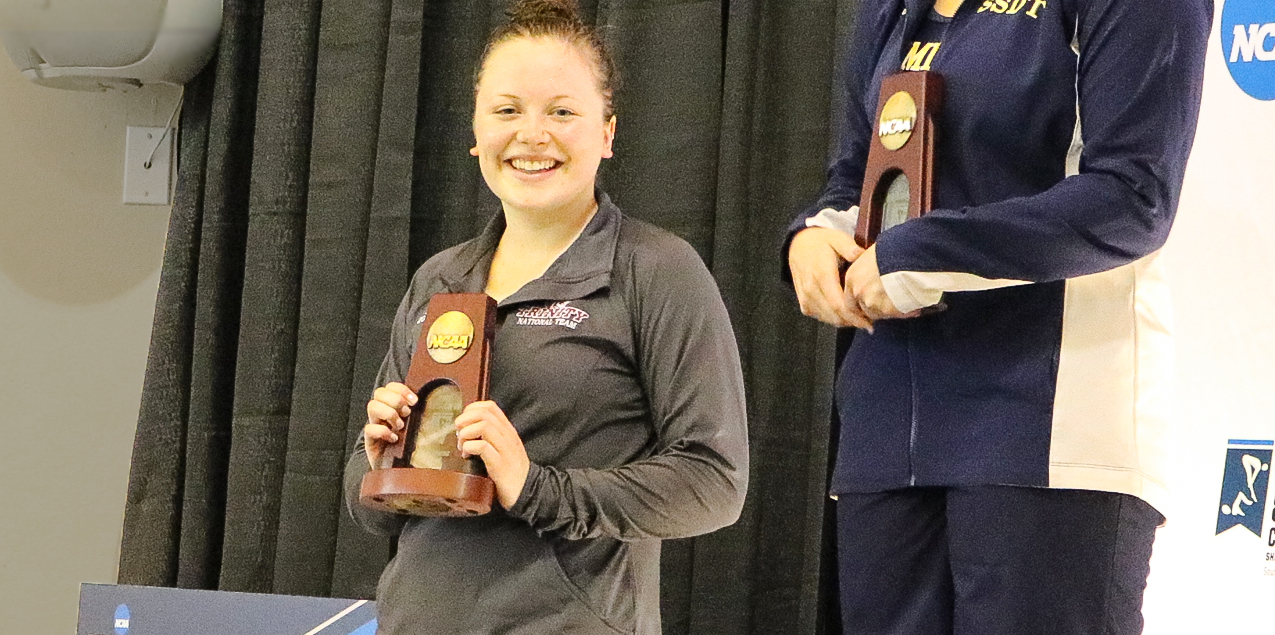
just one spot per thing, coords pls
(901, 158)
(423, 474)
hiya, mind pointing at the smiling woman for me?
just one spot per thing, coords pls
(542, 127)
(617, 413)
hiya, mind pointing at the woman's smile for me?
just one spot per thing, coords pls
(533, 166)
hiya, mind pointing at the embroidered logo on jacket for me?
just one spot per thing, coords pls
(921, 56)
(556, 314)
(1244, 485)
(1013, 7)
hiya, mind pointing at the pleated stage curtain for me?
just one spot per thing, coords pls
(324, 157)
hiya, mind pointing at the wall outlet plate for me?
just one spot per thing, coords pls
(149, 168)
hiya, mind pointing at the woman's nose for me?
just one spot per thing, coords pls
(532, 130)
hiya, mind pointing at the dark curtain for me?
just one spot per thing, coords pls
(324, 157)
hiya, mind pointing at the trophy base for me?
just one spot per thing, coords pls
(426, 492)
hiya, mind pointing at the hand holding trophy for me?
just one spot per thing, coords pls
(898, 183)
(422, 471)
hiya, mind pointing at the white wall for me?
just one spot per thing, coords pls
(1221, 263)
(78, 277)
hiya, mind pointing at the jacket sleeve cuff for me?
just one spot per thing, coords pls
(843, 221)
(826, 217)
(908, 293)
(525, 507)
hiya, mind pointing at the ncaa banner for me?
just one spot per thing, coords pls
(108, 609)
(1215, 559)
(1248, 42)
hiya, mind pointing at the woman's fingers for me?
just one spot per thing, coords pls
(483, 430)
(817, 294)
(391, 405)
(479, 448)
(379, 433)
(383, 414)
(376, 437)
(485, 422)
(860, 317)
(815, 259)
(387, 413)
(397, 396)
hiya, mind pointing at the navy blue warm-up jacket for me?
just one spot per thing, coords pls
(1052, 365)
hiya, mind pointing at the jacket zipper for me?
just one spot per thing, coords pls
(912, 372)
(915, 403)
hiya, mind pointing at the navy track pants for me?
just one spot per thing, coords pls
(993, 560)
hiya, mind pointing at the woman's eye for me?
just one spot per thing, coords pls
(562, 112)
(507, 110)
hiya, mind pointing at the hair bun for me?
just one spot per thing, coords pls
(555, 19)
(532, 12)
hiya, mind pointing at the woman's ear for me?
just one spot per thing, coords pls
(609, 131)
(473, 151)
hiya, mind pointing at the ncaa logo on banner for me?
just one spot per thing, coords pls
(122, 619)
(1245, 480)
(1248, 45)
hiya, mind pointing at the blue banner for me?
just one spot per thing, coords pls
(1244, 483)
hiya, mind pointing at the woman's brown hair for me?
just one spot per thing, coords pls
(556, 19)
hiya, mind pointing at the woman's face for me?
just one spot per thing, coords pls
(539, 127)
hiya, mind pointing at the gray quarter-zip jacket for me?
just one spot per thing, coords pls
(620, 371)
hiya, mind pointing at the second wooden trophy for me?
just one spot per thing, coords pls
(424, 474)
(898, 180)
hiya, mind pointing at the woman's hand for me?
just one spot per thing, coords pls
(387, 414)
(864, 289)
(483, 430)
(814, 258)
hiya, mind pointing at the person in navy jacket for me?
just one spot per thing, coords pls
(1004, 406)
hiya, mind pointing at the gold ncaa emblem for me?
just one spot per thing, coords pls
(450, 337)
(898, 119)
